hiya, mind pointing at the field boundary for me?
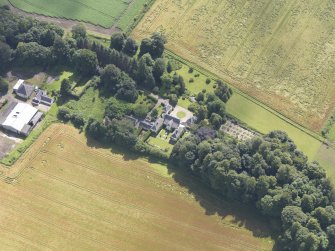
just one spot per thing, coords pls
(252, 99)
(60, 21)
(140, 16)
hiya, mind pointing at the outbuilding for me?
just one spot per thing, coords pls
(20, 118)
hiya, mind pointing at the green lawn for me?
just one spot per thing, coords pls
(264, 121)
(331, 133)
(326, 158)
(105, 13)
(55, 86)
(181, 115)
(199, 83)
(90, 105)
(185, 103)
(161, 142)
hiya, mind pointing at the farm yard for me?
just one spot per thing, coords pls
(280, 52)
(105, 13)
(117, 202)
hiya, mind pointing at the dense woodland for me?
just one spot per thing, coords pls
(268, 172)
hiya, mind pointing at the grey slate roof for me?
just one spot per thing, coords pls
(177, 134)
(157, 125)
(43, 98)
(25, 90)
(171, 122)
(145, 124)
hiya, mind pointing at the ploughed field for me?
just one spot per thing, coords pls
(66, 194)
(280, 52)
(105, 13)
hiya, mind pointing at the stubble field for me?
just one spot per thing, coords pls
(65, 194)
(280, 52)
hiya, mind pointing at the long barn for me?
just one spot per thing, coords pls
(20, 118)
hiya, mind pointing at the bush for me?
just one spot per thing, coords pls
(78, 120)
(191, 80)
(140, 111)
(208, 80)
(190, 70)
(197, 75)
(64, 114)
(3, 85)
(152, 98)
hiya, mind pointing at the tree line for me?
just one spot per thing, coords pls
(273, 176)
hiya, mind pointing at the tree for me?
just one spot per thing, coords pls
(85, 62)
(33, 54)
(64, 114)
(3, 86)
(61, 50)
(65, 88)
(144, 73)
(118, 41)
(223, 91)
(130, 47)
(5, 57)
(157, 45)
(126, 89)
(154, 46)
(159, 69)
(291, 214)
(78, 31)
(145, 46)
(169, 67)
(110, 77)
(140, 111)
(216, 120)
(173, 99)
(201, 112)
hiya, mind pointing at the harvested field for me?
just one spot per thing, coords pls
(66, 195)
(280, 52)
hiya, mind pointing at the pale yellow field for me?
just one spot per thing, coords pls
(280, 52)
(66, 194)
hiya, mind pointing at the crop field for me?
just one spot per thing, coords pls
(280, 52)
(105, 13)
(66, 193)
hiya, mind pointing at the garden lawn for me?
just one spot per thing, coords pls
(199, 83)
(55, 86)
(160, 143)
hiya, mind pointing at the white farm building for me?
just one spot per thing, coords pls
(20, 118)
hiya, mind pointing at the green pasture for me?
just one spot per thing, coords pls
(105, 13)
